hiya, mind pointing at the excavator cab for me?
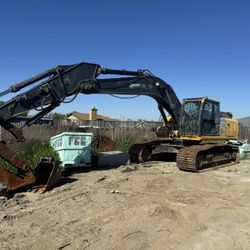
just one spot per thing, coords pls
(200, 117)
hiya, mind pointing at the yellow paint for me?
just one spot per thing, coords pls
(229, 128)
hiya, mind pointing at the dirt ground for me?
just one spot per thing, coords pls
(144, 206)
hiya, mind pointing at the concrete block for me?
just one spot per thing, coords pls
(110, 159)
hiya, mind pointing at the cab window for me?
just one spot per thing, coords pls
(210, 118)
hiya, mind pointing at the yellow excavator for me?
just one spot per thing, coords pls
(198, 139)
(202, 128)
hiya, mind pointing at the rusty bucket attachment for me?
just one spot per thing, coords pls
(44, 177)
(48, 173)
(23, 174)
(18, 180)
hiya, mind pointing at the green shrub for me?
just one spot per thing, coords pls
(34, 150)
(123, 145)
(8, 166)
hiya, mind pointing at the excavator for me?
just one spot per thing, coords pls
(196, 135)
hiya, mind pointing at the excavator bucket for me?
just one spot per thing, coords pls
(44, 177)
(23, 175)
(47, 173)
(16, 181)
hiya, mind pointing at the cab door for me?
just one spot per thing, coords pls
(210, 118)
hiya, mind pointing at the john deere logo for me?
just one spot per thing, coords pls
(135, 85)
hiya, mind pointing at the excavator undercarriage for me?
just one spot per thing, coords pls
(198, 157)
(193, 158)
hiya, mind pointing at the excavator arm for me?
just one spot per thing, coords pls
(54, 86)
(70, 80)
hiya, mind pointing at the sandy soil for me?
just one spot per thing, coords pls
(147, 206)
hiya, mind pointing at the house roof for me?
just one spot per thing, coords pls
(85, 116)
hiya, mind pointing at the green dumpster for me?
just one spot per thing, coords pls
(74, 148)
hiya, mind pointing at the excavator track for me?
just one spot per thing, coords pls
(143, 152)
(198, 157)
(140, 152)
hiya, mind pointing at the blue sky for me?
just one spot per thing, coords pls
(202, 48)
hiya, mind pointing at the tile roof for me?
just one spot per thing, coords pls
(85, 116)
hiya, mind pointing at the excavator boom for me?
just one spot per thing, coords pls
(69, 80)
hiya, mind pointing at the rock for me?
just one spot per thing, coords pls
(63, 246)
(102, 178)
(167, 172)
(114, 191)
(147, 165)
(2, 216)
(129, 169)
